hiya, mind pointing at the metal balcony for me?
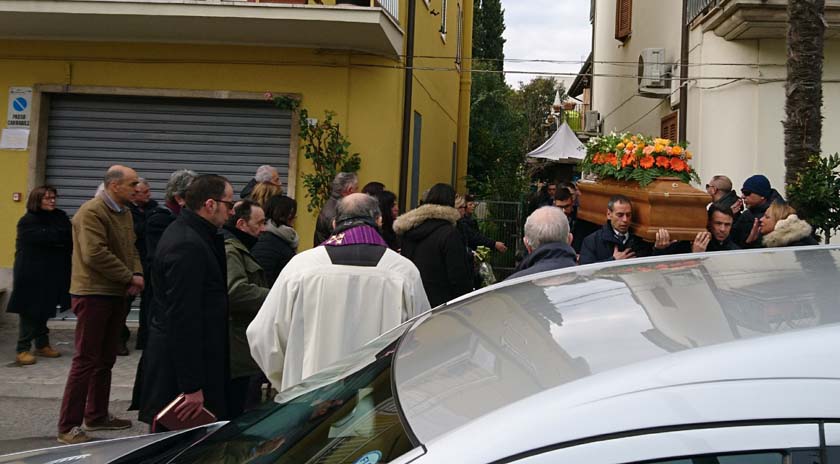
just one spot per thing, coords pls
(369, 29)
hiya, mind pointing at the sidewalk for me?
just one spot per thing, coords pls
(47, 377)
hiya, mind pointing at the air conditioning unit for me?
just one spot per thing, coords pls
(654, 75)
(592, 122)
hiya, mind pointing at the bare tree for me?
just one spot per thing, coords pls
(803, 105)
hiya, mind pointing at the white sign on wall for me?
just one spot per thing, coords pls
(20, 107)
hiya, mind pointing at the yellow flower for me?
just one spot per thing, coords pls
(620, 146)
(658, 148)
(687, 155)
(661, 142)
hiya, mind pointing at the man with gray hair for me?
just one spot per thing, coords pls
(547, 239)
(159, 218)
(344, 184)
(301, 329)
(265, 174)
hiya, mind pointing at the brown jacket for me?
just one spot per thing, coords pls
(104, 255)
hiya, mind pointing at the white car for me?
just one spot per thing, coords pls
(718, 358)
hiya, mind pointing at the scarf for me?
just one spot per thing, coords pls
(286, 233)
(173, 206)
(355, 231)
(248, 240)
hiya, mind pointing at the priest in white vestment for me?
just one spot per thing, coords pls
(332, 299)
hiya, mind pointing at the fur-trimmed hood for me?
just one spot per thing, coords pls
(416, 217)
(787, 231)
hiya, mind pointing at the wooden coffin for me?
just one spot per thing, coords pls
(666, 202)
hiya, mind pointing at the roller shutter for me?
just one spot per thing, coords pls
(157, 136)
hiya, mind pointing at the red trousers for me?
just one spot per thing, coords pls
(99, 322)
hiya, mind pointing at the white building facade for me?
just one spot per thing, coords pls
(736, 71)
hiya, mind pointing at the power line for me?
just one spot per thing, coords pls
(399, 67)
(580, 62)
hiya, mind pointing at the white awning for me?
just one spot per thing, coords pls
(563, 144)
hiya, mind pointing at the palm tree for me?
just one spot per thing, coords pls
(803, 106)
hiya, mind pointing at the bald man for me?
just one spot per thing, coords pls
(106, 270)
(301, 329)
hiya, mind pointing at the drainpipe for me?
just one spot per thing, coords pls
(683, 113)
(407, 94)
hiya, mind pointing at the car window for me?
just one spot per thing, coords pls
(344, 422)
(745, 458)
(833, 454)
(747, 444)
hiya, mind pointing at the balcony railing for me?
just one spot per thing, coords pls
(698, 7)
(392, 7)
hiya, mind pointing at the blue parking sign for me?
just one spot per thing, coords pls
(20, 106)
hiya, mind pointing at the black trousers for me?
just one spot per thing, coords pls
(32, 329)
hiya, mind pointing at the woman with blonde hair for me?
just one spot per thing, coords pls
(781, 227)
(263, 192)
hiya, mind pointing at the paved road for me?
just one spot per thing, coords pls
(30, 423)
(30, 396)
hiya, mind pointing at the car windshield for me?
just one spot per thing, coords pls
(343, 421)
(491, 349)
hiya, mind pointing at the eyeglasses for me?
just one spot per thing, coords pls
(229, 204)
(746, 193)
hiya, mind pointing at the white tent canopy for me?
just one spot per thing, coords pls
(563, 144)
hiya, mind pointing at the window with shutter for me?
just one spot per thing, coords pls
(623, 19)
(668, 127)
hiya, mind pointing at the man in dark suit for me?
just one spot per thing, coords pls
(187, 350)
(615, 241)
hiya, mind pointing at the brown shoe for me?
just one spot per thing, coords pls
(75, 436)
(25, 358)
(110, 422)
(47, 352)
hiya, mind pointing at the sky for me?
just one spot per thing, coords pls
(556, 30)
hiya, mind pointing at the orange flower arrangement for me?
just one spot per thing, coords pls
(639, 158)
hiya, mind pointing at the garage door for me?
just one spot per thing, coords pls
(157, 136)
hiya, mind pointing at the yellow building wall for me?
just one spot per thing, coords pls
(366, 92)
(367, 99)
(437, 90)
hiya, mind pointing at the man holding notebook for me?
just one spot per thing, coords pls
(187, 350)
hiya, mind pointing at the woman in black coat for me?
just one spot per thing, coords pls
(41, 272)
(432, 242)
(390, 211)
(278, 243)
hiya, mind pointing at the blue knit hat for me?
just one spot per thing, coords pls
(757, 184)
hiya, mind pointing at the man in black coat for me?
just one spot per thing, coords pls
(615, 241)
(547, 240)
(139, 207)
(758, 195)
(717, 236)
(187, 349)
(344, 184)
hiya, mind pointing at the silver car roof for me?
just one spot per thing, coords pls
(496, 347)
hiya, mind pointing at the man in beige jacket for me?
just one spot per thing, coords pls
(106, 268)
